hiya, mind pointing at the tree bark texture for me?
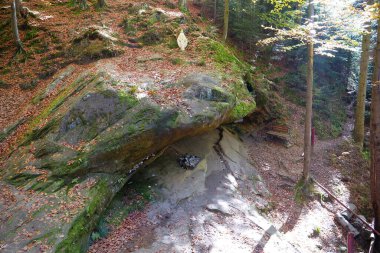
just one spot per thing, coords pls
(309, 99)
(18, 7)
(82, 4)
(226, 18)
(362, 86)
(101, 3)
(182, 4)
(215, 9)
(16, 34)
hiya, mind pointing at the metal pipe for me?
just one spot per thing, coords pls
(357, 216)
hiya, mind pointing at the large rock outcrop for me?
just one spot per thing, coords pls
(88, 141)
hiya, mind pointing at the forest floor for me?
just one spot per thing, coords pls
(336, 164)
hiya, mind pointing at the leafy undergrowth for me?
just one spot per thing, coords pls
(329, 114)
(329, 102)
(354, 166)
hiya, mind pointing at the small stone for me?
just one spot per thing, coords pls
(219, 208)
(343, 249)
(153, 57)
(188, 162)
(358, 223)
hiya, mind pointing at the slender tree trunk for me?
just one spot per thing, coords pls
(215, 6)
(362, 87)
(101, 3)
(309, 100)
(18, 7)
(225, 18)
(182, 4)
(82, 4)
(375, 140)
(16, 34)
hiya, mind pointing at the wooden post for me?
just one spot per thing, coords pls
(350, 243)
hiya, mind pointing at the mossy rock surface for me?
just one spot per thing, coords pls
(94, 43)
(59, 221)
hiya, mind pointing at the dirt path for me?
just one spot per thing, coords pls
(311, 226)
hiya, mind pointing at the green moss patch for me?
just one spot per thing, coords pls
(242, 109)
(223, 56)
(100, 196)
(34, 131)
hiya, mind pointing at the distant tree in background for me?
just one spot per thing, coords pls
(362, 86)
(226, 17)
(322, 36)
(182, 4)
(282, 23)
(101, 3)
(14, 23)
(82, 4)
(18, 7)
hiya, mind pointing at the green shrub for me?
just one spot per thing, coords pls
(31, 34)
(176, 61)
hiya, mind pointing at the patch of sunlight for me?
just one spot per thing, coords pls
(232, 180)
(315, 216)
(172, 14)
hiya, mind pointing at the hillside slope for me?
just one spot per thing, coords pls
(122, 91)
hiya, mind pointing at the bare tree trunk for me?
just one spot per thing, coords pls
(18, 7)
(83, 4)
(375, 140)
(360, 105)
(309, 100)
(101, 3)
(182, 4)
(16, 34)
(215, 6)
(225, 18)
